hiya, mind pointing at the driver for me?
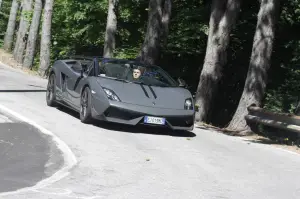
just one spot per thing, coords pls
(136, 73)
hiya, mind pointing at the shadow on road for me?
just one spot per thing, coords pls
(21, 91)
(132, 129)
(263, 141)
(27, 156)
(276, 141)
(143, 129)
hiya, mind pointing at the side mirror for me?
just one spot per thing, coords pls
(81, 73)
(181, 82)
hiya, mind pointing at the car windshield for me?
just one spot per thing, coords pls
(136, 72)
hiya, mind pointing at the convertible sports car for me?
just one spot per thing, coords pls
(122, 91)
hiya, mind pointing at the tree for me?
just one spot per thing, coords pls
(23, 29)
(46, 38)
(255, 84)
(166, 16)
(158, 22)
(111, 29)
(0, 3)
(8, 38)
(33, 34)
(222, 19)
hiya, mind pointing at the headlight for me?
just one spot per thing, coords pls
(111, 95)
(188, 104)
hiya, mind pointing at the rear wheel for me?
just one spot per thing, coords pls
(85, 106)
(51, 92)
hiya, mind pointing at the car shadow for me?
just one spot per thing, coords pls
(139, 129)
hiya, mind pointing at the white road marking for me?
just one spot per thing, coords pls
(69, 157)
(66, 193)
(4, 119)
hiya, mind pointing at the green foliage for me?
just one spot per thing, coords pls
(126, 52)
(4, 15)
(76, 23)
(284, 87)
(189, 27)
(28, 15)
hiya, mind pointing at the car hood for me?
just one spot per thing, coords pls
(161, 97)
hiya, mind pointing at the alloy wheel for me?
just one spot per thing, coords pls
(84, 103)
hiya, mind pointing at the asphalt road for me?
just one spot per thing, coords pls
(27, 156)
(120, 162)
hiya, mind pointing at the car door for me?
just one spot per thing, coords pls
(72, 82)
(76, 82)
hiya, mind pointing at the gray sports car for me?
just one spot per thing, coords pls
(122, 91)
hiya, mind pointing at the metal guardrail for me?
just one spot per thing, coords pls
(278, 120)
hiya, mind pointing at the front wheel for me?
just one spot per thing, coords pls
(85, 106)
(51, 92)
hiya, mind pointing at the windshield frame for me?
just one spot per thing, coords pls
(171, 82)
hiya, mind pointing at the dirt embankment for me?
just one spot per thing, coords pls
(7, 58)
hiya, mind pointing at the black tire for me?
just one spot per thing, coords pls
(85, 106)
(51, 91)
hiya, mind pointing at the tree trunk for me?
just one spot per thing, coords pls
(222, 20)
(23, 30)
(111, 29)
(0, 3)
(255, 84)
(8, 38)
(33, 34)
(46, 38)
(151, 46)
(157, 30)
(166, 16)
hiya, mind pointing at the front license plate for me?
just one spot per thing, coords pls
(154, 120)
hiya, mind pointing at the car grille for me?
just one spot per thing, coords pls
(184, 121)
(121, 113)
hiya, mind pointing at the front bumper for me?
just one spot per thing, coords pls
(134, 114)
